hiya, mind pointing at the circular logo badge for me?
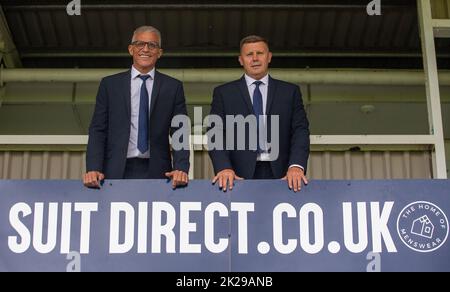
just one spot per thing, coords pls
(422, 226)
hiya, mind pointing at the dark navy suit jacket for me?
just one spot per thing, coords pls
(109, 132)
(283, 99)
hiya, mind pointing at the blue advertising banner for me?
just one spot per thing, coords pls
(260, 226)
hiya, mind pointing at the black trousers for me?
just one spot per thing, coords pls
(263, 170)
(136, 168)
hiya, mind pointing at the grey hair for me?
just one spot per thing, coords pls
(147, 28)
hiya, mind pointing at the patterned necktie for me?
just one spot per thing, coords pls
(142, 143)
(258, 110)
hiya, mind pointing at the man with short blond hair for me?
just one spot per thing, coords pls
(259, 95)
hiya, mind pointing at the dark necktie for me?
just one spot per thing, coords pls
(258, 110)
(142, 143)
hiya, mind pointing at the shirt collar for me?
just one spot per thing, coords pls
(135, 73)
(249, 80)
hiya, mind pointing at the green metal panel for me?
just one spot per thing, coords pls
(447, 156)
(66, 109)
(440, 9)
(38, 93)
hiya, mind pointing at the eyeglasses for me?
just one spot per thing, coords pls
(140, 45)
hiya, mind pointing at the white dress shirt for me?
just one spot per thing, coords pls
(264, 88)
(136, 84)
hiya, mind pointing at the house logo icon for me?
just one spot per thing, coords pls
(422, 226)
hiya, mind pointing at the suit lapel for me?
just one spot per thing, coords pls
(127, 92)
(270, 94)
(244, 93)
(155, 91)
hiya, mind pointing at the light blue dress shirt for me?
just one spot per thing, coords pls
(136, 84)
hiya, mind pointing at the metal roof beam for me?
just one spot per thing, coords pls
(178, 6)
(432, 84)
(309, 76)
(7, 47)
(221, 54)
(441, 28)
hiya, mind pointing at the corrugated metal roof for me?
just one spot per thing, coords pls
(214, 30)
(336, 28)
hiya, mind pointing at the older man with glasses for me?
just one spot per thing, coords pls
(131, 125)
